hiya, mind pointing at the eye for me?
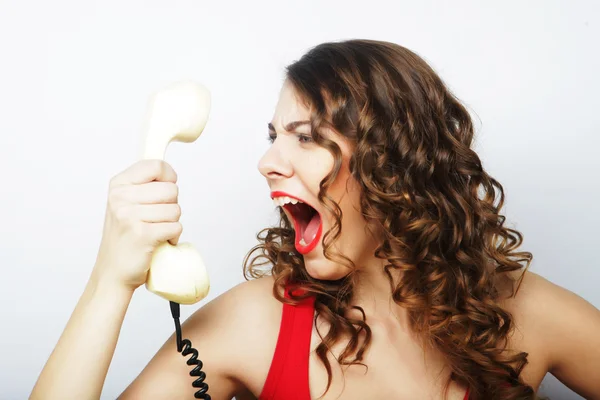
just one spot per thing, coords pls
(301, 138)
(305, 138)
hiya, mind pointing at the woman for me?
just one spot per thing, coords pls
(391, 237)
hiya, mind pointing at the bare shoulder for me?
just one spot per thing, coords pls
(561, 332)
(235, 335)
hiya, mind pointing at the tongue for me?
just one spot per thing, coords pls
(311, 229)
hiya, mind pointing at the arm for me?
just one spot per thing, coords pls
(216, 330)
(571, 328)
(142, 212)
(91, 334)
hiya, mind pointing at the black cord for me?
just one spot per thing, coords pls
(185, 348)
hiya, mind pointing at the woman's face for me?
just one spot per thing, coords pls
(294, 166)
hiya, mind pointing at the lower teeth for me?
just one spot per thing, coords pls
(302, 242)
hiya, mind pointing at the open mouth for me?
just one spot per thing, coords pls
(307, 223)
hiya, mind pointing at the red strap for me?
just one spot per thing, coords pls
(288, 374)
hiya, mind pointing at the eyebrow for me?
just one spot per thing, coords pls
(289, 127)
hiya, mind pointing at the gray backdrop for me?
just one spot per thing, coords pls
(74, 80)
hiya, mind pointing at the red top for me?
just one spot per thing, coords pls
(288, 375)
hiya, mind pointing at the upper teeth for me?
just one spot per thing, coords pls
(283, 200)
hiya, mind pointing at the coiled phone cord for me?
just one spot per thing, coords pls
(185, 348)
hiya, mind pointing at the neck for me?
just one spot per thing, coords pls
(373, 291)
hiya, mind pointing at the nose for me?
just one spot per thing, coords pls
(274, 165)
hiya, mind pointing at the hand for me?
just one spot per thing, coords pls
(142, 212)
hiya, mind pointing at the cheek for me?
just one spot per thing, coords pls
(346, 192)
(315, 168)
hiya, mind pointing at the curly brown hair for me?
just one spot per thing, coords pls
(434, 207)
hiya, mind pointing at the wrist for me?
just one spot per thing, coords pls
(102, 285)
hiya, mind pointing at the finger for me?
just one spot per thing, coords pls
(153, 193)
(146, 171)
(165, 231)
(175, 240)
(158, 212)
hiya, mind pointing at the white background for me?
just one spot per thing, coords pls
(74, 80)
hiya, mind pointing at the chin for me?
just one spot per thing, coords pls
(325, 270)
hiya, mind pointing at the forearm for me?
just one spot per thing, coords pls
(78, 365)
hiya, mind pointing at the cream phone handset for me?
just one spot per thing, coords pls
(178, 113)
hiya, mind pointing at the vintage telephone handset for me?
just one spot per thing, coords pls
(178, 113)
